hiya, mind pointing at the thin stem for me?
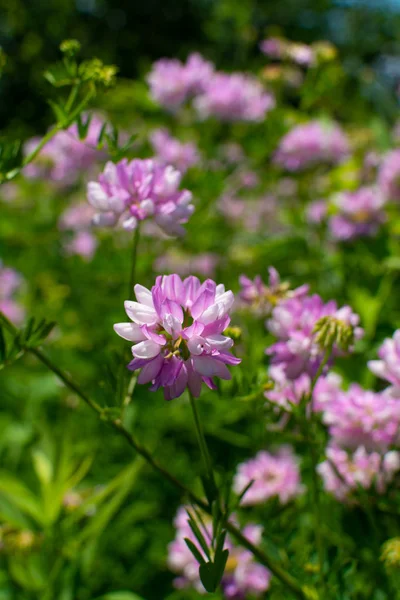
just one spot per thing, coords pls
(311, 434)
(50, 134)
(202, 440)
(270, 563)
(132, 275)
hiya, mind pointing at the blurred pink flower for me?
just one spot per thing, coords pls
(170, 151)
(273, 475)
(129, 192)
(343, 473)
(172, 82)
(66, 156)
(234, 97)
(310, 144)
(389, 175)
(360, 213)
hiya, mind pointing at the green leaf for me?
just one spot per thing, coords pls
(43, 467)
(195, 551)
(208, 576)
(199, 536)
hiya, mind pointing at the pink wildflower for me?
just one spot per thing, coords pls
(178, 333)
(273, 475)
(129, 192)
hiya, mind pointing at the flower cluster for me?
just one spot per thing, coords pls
(293, 322)
(172, 82)
(226, 96)
(129, 192)
(170, 151)
(311, 144)
(178, 329)
(10, 283)
(389, 175)
(262, 298)
(234, 97)
(388, 367)
(243, 576)
(359, 417)
(360, 213)
(279, 49)
(66, 156)
(273, 475)
(343, 473)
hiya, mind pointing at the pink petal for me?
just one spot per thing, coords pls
(151, 370)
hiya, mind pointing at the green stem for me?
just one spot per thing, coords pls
(132, 274)
(202, 440)
(311, 434)
(285, 577)
(50, 134)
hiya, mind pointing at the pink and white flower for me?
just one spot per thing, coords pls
(177, 329)
(129, 192)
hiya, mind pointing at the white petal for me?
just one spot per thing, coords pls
(147, 349)
(143, 295)
(220, 342)
(129, 331)
(140, 313)
(97, 196)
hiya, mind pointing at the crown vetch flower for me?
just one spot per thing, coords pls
(262, 298)
(234, 97)
(310, 144)
(10, 283)
(389, 175)
(272, 475)
(343, 473)
(242, 576)
(66, 156)
(173, 82)
(388, 367)
(171, 151)
(360, 213)
(129, 192)
(293, 321)
(178, 329)
(359, 417)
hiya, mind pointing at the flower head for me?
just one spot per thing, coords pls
(170, 151)
(293, 322)
(359, 417)
(262, 298)
(388, 367)
(360, 213)
(389, 175)
(10, 283)
(343, 473)
(178, 329)
(173, 82)
(273, 475)
(129, 192)
(66, 156)
(310, 144)
(234, 97)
